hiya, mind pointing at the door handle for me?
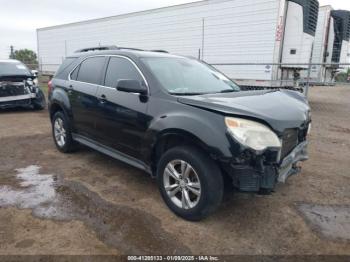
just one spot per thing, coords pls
(103, 99)
(70, 89)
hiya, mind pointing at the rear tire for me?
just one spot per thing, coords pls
(39, 103)
(62, 135)
(190, 182)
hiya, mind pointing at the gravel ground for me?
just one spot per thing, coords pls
(87, 203)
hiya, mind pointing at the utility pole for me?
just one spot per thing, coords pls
(203, 28)
(306, 90)
(12, 53)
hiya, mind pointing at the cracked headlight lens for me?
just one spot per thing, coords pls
(252, 134)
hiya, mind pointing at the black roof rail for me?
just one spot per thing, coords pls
(97, 48)
(160, 51)
(114, 47)
(131, 48)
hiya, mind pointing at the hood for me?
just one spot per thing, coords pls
(279, 109)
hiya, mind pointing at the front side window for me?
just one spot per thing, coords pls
(91, 70)
(183, 76)
(120, 68)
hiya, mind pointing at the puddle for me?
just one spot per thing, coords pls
(331, 221)
(32, 190)
(127, 229)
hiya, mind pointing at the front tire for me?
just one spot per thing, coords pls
(190, 182)
(61, 132)
(39, 103)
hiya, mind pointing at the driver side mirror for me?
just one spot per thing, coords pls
(131, 86)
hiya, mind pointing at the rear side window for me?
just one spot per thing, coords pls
(66, 63)
(91, 70)
(121, 68)
(74, 74)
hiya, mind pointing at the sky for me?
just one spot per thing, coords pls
(19, 19)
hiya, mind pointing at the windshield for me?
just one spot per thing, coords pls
(183, 76)
(13, 68)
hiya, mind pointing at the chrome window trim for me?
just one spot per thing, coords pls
(120, 56)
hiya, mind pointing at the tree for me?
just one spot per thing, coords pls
(26, 56)
(343, 76)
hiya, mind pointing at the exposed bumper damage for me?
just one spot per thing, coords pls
(288, 166)
(260, 173)
(16, 94)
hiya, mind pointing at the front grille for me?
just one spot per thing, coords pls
(289, 141)
(12, 90)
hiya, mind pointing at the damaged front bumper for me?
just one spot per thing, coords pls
(260, 174)
(16, 94)
(16, 98)
(16, 101)
(288, 166)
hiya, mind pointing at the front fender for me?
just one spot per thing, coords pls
(206, 128)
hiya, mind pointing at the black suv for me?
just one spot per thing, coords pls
(181, 121)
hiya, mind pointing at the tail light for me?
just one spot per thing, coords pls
(49, 84)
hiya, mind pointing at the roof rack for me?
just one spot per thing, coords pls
(130, 48)
(159, 51)
(114, 47)
(97, 48)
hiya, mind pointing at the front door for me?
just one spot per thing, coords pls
(122, 119)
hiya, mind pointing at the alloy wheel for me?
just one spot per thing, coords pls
(59, 132)
(182, 184)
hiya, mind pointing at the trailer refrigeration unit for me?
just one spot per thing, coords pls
(331, 45)
(323, 47)
(243, 32)
(341, 48)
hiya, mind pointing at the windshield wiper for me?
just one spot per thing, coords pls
(187, 94)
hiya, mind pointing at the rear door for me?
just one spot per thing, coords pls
(122, 119)
(82, 92)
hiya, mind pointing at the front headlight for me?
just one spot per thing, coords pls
(252, 134)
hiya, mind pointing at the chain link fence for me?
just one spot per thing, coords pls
(298, 77)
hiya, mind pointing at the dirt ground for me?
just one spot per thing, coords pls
(87, 203)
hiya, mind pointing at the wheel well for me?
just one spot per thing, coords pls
(173, 140)
(169, 141)
(54, 109)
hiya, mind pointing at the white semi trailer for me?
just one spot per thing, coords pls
(217, 31)
(341, 49)
(331, 44)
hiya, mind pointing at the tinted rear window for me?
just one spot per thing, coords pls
(91, 70)
(74, 74)
(60, 73)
